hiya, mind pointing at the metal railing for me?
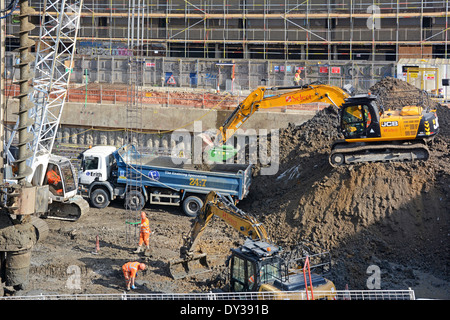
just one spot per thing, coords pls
(292, 295)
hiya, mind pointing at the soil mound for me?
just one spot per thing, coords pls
(392, 215)
(395, 93)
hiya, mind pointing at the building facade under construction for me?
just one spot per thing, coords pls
(382, 30)
(239, 44)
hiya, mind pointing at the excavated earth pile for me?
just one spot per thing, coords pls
(390, 215)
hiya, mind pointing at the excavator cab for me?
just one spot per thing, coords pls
(360, 118)
(60, 177)
(66, 204)
(254, 264)
(257, 266)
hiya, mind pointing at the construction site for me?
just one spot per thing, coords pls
(257, 183)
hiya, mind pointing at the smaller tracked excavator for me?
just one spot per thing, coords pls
(190, 261)
(256, 266)
(371, 133)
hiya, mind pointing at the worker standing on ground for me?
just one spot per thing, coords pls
(144, 234)
(297, 77)
(130, 270)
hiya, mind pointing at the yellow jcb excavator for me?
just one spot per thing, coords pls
(371, 133)
(257, 265)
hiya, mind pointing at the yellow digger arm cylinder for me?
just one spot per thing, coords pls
(259, 99)
(217, 205)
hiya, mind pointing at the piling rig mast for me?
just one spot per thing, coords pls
(53, 64)
(23, 192)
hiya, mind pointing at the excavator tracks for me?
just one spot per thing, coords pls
(71, 210)
(344, 153)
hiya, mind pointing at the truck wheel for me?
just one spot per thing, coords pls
(192, 206)
(134, 200)
(99, 198)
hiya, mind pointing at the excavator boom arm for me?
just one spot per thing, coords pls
(192, 263)
(275, 97)
(217, 205)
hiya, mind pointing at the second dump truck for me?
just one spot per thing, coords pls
(108, 173)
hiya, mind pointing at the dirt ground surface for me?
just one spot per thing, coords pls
(391, 215)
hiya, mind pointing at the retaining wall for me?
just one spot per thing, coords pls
(93, 124)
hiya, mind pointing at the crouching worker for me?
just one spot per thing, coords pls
(130, 270)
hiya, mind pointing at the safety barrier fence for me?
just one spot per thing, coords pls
(292, 295)
(107, 94)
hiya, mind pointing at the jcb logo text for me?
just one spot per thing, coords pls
(390, 124)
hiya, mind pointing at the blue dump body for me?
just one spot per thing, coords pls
(171, 173)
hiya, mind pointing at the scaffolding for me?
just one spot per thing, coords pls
(272, 29)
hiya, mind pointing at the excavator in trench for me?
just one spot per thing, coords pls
(258, 265)
(371, 133)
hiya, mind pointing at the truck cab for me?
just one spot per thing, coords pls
(95, 170)
(96, 164)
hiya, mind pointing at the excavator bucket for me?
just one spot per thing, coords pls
(214, 152)
(221, 153)
(183, 268)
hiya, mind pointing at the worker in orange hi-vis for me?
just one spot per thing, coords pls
(144, 234)
(54, 180)
(130, 270)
